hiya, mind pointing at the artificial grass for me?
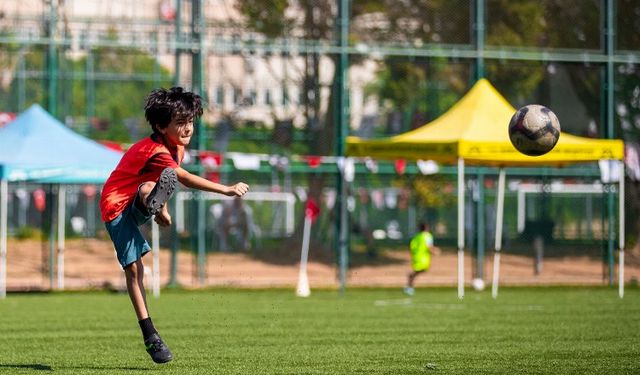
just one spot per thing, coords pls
(363, 331)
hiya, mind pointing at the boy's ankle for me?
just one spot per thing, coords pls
(147, 328)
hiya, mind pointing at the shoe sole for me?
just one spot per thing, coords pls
(163, 190)
(162, 361)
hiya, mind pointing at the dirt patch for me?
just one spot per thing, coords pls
(91, 263)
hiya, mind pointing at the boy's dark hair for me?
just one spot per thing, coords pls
(423, 227)
(163, 106)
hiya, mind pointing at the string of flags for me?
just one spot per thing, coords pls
(213, 161)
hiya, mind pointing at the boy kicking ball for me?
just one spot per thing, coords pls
(140, 187)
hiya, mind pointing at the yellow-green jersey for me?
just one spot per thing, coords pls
(420, 247)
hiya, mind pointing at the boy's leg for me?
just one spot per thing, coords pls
(410, 279)
(409, 288)
(134, 275)
(154, 345)
(131, 246)
(155, 195)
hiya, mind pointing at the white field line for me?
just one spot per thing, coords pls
(408, 302)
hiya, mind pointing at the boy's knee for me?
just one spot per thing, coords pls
(143, 192)
(134, 270)
(146, 188)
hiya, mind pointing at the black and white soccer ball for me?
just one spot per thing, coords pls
(534, 130)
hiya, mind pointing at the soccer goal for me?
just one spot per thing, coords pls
(270, 213)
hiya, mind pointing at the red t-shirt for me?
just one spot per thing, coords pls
(143, 162)
(160, 161)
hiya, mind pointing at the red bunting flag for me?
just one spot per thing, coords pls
(112, 145)
(211, 161)
(312, 210)
(400, 165)
(6, 117)
(89, 191)
(39, 200)
(313, 161)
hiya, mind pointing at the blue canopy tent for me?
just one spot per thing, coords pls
(37, 147)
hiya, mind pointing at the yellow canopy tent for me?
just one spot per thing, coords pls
(474, 131)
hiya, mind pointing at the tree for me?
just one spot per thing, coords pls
(120, 103)
(119, 98)
(403, 82)
(316, 21)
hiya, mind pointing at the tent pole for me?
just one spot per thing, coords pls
(481, 225)
(498, 231)
(51, 239)
(621, 228)
(62, 200)
(460, 228)
(522, 211)
(4, 190)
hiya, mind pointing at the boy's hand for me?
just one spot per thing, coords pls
(238, 189)
(163, 218)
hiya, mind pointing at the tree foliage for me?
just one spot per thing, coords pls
(120, 103)
(411, 85)
(117, 100)
(269, 20)
(308, 20)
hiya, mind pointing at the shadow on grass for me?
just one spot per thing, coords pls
(119, 368)
(32, 366)
(41, 367)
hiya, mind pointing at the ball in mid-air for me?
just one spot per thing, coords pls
(534, 130)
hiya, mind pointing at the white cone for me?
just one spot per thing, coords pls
(303, 285)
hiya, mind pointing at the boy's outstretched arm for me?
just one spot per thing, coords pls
(193, 181)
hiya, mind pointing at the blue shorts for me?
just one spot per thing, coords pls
(124, 232)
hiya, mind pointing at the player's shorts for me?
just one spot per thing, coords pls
(129, 243)
(421, 263)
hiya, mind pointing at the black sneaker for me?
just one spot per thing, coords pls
(163, 190)
(157, 349)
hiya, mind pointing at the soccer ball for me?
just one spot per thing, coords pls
(534, 130)
(477, 284)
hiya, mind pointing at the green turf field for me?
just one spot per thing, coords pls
(525, 331)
